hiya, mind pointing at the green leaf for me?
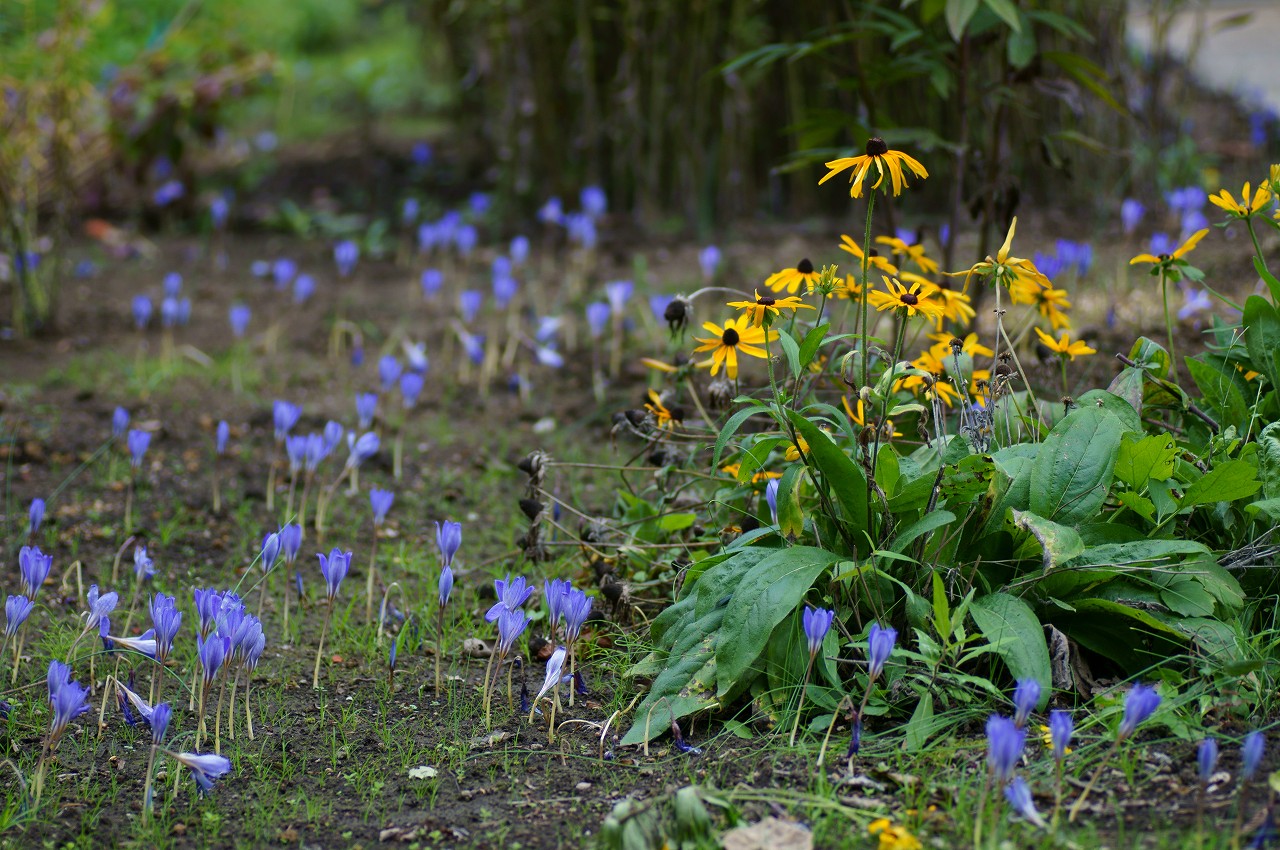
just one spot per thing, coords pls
(1261, 335)
(1140, 461)
(921, 723)
(924, 525)
(1011, 627)
(791, 349)
(1140, 505)
(812, 340)
(762, 599)
(754, 458)
(1060, 543)
(1112, 403)
(1074, 467)
(1128, 386)
(730, 428)
(958, 14)
(790, 518)
(1272, 284)
(839, 472)
(1007, 12)
(1269, 460)
(1226, 482)
(1150, 356)
(1218, 386)
(686, 685)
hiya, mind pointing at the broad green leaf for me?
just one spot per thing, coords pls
(1007, 12)
(685, 686)
(1273, 285)
(1112, 403)
(1074, 467)
(924, 525)
(958, 14)
(1151, 356)
(1127, 635)
(1141, 460)
(1140, 505)
(1060, 543)
(1261, 335)
(1011, 627)
(1226, 482)
(754, 458)
(812, 340)
(790, 519)
(1269, 460)
(791, 349)
(1221, 394)
(730, 428)
(921, 724)
(1187, 596)
(839, 472)
(1128, 386)
(761, 600)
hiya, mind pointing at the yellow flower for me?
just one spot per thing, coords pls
(893, 837)
(915, 253)
(956, 306)
(790, 279)
(761, 307)
(886, 161)
(728, 341)
(732, 470)
(849, 288)
(860, 417)
(1063, 347)
(797, 450)
(665, 417)
(1244, 207)
(1181, 251)
(968, 345)
(916, 299)
(1052, 303)
(1047, 737)
(874, 261)
(1004, 268)
(658, 365)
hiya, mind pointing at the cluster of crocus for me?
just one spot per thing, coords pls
(34, 567)
(68, 700)
(567, 612)
(229, 645)
(509, 615)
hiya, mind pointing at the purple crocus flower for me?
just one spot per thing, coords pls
(334, 569)
(389, 370)
(1004, 746)
(582, 230)
(511, 625)
(59, 674)
(409, 211)
(469, 301)
(1194, 302)
(445, 586)
(270, 552)
(168, 192)
(380, 501)
(284, 270)
(138, 443)
(465, 238)
(304, 286)
(316, 450)
(594, 201)
(597, 318)
(119, 422)
(429, 237)
(16, 611)
(411, 384)
(1139, 704)
(212, 651)
(519, 249)
(361, 448)
(1251, 754)
(68, 699)
(555, 669)
(709, 260)
(473, 344)
(551, 212)
(432, 282)
(547, 356)
(142, 310)
(295, 449)
(1060, 731)
(576, 611)
(366, 409)
(34, 566)
(618, 292)
(345, 255)
(284, 416)
(239, 316)
(880, 643)
(221, 434)
(817, 622)
(208, 602)
(99, 606)
(205, 768)
(421, 154)
(171, 312)
(1131, 213)
(512, 594)
(167, 619)
(658, 306)
(448, 540)
(1161, 244)
(479, 203)
(218, 211)
(143, 567)
(504, 290)
(555, 592)
(1026, 695)
(160, 716)
(331, 436)
(771, 498)
(1192, 220)
(1018, 793)
(290, 541)
(1206, 759)
(172, 284)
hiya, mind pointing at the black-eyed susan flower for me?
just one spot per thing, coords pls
(1064, 347)
(763, 306)
(886, 162)
(873, 260)
(1181, 251)
(732, 470)
(915, 299)
(914, 253)
(797, 450)
(846, 288)
(1051, 303)
(1247, 205)
(735, 336)
(1004, 270)
(664, 417)
(968, 344)
(893, 837)
(858, 416)
(790, 279)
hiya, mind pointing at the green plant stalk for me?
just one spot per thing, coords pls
(368, 585)
(804, 686)
(128, 504)
(1093, 780)
(862, 296)
(1248, 222)
(217, 715)
(893, 371)
(1168, 323)
(982, 809)
(324, 630)
(439, 644)
(146, 787)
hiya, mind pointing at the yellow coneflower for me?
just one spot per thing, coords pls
(790, 279)
(658, 365)
(728, 341)
(1064, 347)
(893, 837)
(859, 417)
(916, 299)
(763, 305)
(1004, 269)
(1246, 206)
(797, 450)
(886, 162)
(914, 253)
(665, 417)
(847, 288)
(874, 260)
(1178, 253)
(968, 344)
(1050, 302)
(732, 470)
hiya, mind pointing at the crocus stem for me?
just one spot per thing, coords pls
(551, 722)
(39, 778)
(217, 717)
(201, 728)
(488, 691)
(1075, 809)
(439, 645)
(511, 705)
(248, 713)
(217, 490)
(373, 571)
(17, 656)
(572, 680)
(284, 632)
(981, 812)
(795, 726)
(397, 452)
(306, 497)
(315, 677)
(128, 504)
(293, 486)
(271, 479)
(146, 787)
(195, 684)
(231, 709)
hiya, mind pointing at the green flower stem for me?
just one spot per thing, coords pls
(1248, 222)
(862, 297)
(1093, 780)
(1168, 322)
(804, 686)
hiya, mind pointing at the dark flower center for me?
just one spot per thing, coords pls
(873, 253)
(729, 337)
(876, 146)
(1164, 258)
(804, 266)
(909, 298)
(765, 301)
